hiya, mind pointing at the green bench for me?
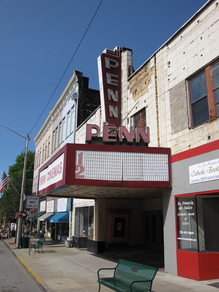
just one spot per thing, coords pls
(38, 245)
(128, 276)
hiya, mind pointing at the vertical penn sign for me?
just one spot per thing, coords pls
(109, 70)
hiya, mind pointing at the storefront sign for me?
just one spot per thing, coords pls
(112, 133)
(52, 174)
(205, 171)
(121, 166)
(109, 70)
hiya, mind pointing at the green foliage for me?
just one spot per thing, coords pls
(11, 197)
(10, 203)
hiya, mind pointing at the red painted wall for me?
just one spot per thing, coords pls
(197, 266)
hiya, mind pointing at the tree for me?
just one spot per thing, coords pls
(11, 197)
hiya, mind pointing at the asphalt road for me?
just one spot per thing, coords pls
(13, 276)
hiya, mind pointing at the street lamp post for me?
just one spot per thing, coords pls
(22, 188)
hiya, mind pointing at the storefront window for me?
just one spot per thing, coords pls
(63, 228)
(196, 223)
(208, 218)
(187, 223)
(84, 222)
(90, 222)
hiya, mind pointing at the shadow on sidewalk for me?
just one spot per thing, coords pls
(138, 254)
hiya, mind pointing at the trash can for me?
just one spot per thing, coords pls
(24, 242)
(12, 233)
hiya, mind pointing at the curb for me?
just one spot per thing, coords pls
(34, 275)
(30, 271)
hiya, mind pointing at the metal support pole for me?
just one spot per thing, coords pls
(22, 188)
(21, 197)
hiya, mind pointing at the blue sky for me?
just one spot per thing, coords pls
(39, 37)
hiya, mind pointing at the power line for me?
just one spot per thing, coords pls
(68, 64)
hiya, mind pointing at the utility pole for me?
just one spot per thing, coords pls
(22, 188)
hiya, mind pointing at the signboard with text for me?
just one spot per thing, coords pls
(32, 202)
(109, 70)
(205, 171)
(52, 174)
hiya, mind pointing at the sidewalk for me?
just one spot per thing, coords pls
(70, 269)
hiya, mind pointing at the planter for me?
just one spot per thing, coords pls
(68, 243)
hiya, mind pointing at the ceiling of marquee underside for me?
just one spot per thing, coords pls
(93, 192)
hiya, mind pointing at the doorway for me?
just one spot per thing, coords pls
(153, 227)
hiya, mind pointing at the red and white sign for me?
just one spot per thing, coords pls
(109, 70)
(52, 174)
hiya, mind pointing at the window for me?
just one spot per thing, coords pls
(43, 152)
(139, 119)
(60, 133)
(57, 138)
(204, 95)
(73, 119)
(68, 130)
(46, 151)
(84, 221)
(48, 147)
(196, 228)
(63, 129)
(186, 223)
(215, 78)
(53, 140)
(36, 161)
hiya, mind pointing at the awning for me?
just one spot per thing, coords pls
(46, 215)
(37, 216)
(59, 217)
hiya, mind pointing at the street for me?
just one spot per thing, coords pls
(13, 276)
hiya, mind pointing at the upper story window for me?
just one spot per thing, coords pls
(68, 125)
(48, 147)
(60, 133)
(204, 95)
(73, 119)
(139, 119)
(53, 140)
(43, 152)
(63, 130)
(215, 79)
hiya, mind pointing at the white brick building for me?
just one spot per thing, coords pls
(176, 94)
